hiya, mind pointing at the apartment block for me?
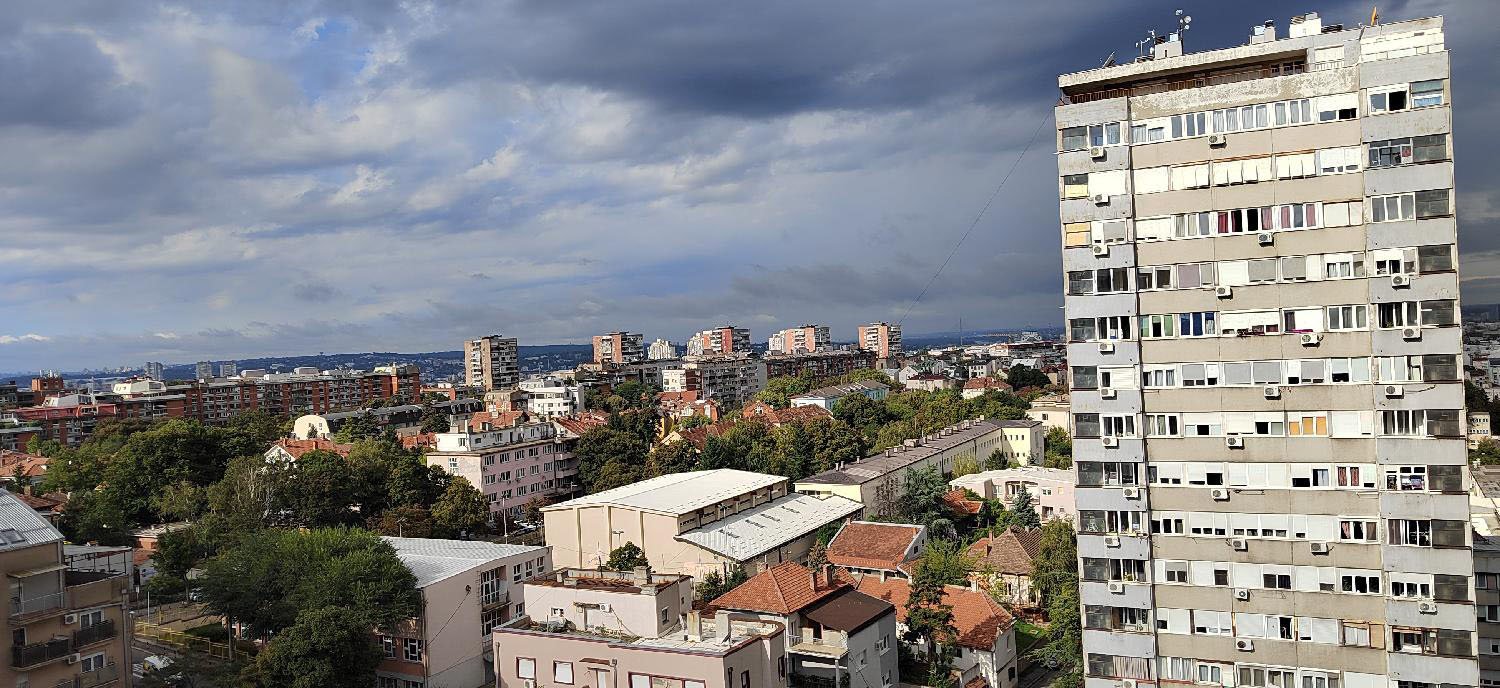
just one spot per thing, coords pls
(882, 338)
(619, 347)
(1263, 334)
(551, 397)
(661, 350)
(68, 621)
(1051, 489)
(826, 397)
(468, 589)
(513, 466)
(800, 339)
(492, 363)
(726, 379)
(824, 363)
(724, 339)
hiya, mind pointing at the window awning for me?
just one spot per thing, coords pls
(27, 573)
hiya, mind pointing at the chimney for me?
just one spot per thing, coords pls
(828, 575)
(641, 575)
(1309, 24)
(694, 625)
(1263, 33)
(721, 625)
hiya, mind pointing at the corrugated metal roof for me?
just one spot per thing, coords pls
(755, 531)
(21, 526)
(433, 560)
(677, 493)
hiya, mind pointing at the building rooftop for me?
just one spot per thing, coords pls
(783, 589)
(432, 560)
(1012, 552)
(977, 617)
(834, 391)
(608, 581)
(848, 610)
(299, 447)
(1037, 473)
(21, 526)
(1487, 480)
(761, 528)
(866, 545)
(898, 458)
(677, 493)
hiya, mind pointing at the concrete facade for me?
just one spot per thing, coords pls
(492, 363)
(1260, 262)
(512, 466)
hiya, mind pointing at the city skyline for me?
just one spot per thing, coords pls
(330, 179)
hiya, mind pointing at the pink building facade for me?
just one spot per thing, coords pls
(1051, 488)
(512, 466)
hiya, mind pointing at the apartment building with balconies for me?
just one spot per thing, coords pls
(799, 339)
(512, 466)
(724, 339)
(882, 338)
(1267, 400)
(619, 347)
(68, 624)
(492, 363)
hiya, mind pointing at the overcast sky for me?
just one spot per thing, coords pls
(229, 179)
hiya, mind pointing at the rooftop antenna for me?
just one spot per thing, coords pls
(1109, 61)
(1144, 43)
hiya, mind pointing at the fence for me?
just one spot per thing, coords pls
(187, 641)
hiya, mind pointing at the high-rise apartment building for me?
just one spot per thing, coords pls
(492, 363)
(203, 370)
(882, 338)
(1267, 406)
(619, 347)
(228, 369)
(800, 339)
(661, 350)
(725, 339)
(154, 370)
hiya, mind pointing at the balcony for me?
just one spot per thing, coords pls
(93, 588)
(23, 610)
(104, 675)
(96, 633)
(820, 647)
(27, 656)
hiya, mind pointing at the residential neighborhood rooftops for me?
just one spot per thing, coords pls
(847, 610)
(1012, 552)
(764, 527)
(839, 390)
(978, 618)
(897, 458)
(21, 526)
(782, 589)
(1487, 480)
(676, 493)
(867, 545)
(432, 560)
(296, 448)
(986, 383)
(775, 416)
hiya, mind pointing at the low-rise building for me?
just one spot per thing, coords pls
(986, 632)
(1479, 427)
(695, 522)
(636, 603)
(1004, 564)
(287, 450)
(551, 397)
(878, 481)
(834, 632)
(882, 549)
(1051, 410)
(826, 397)
(468, 588)
(513, 465)
(1051, 488)
(822, 364)
(930, 382)
(68, 620)
(22, 470)
(975, 387)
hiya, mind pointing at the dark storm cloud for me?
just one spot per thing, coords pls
(60, 79)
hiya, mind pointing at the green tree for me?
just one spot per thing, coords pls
(435, 420)
(715, 585)
(1055, 576)
(779, 390)
(320, 491)
(1058, 446)
(997, 460)
(461, 509)
(602, 446)
(626, 557)
(947, 562)
(817, 556)
(326, 648)
(834, 442)
(863, 414)
(389, 475)
(965, 464)
(929, 621)
(922, 502)
(863, 374)
(675, 457)
(793, 452)
(1487, 453)
(1021, 377)
(403, 521)
(356, 428)
(1024, 509)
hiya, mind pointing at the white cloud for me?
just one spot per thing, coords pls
(29, 337)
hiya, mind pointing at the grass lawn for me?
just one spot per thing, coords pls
(211, 631)
(1027, 634)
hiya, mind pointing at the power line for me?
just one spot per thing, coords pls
(993, 195)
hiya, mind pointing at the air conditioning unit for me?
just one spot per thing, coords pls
(1244, 645)
(1125, 683)
(1101, 199)
(1395, 391)
(1311, 338)
(1117, 587)
(1234, 442)
(74, 658)
(70, 619)
(1411, 333)
(1271, 391)
(1131, 493)
(1426, 607)
(1106, 392)
(1241, 594)
(1265, 238)
(1239, 544)
(1318, 547)
(605, 607)
(1399, 281)
(1101, 250)
(1096, 152)
(1219, 494)
(529, 683)
(1110, 442)
(1217, 140)
(1223, 292)
(1106, 347)
(1111, 541)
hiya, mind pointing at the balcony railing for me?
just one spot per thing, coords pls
(36, 605)
(95, 633)
(23, 656)
(108, 673)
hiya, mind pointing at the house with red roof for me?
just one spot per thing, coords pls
(287, 450)
(986, 641)
(1004, 564)
(879, 549)
(834, 631)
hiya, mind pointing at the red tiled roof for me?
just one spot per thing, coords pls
(41, 504)
(496, 419)
(299, 447)
(31, 465)
(1011, 552)
(959, 502)
(684, 397)
(781, 589)
(583, 422)
(977, 682)
(986, 383)
(978, 618)
(775, 416)
(419, 440)
(880, 546)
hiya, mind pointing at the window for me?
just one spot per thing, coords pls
(1348, 317)
(1388, 99)
(1119, 426)
(1434, 203)
(388, 646)
(1357, 530)
(1360, 584)
(1154, 278)
(1107, 134)
(411, 649)
(1074, 138)
(1075, 186)
(1437, 258)
(562, 672)
(1406, 531)
(526, 667)
(1427, 93)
